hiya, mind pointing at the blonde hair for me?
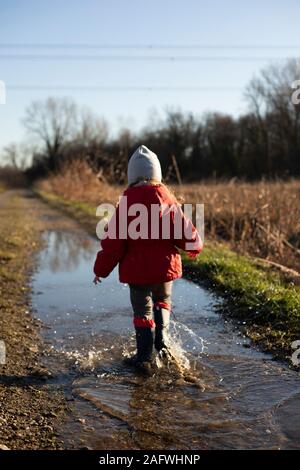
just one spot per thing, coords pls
(142, 179)
(153, 182)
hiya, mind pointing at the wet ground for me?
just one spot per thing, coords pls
(221, 394)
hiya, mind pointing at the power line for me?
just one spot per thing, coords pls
(183, 58)
(146, 46)
(165, 88)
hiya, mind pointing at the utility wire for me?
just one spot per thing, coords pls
(39, 57)
(146, 46)
(165, 88)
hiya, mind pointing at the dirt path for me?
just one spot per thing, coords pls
(30, 407)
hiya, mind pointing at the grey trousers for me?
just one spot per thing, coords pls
(145, 297)
(151, 306)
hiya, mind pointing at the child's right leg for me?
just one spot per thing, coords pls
(141, 300)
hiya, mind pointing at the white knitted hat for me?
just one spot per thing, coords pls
(143, 164)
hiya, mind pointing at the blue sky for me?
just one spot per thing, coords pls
(137, 22)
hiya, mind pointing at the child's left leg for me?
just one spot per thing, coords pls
(161, 294)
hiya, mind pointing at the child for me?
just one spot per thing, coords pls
(148, 264)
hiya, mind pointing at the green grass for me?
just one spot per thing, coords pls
(59, 201)
(266, 303)
(83, 212)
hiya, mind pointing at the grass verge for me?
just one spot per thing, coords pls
(265, 303)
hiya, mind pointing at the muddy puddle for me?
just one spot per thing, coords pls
(222, 394)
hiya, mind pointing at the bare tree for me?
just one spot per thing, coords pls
(92, 130)
(10, 155)
(52, 123)
(17, 156)
(278, 119)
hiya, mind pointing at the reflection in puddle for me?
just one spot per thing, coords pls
(65, 252)
(223, 396)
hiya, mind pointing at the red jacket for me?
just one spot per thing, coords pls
(146, 261)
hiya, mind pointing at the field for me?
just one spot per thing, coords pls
(261, 219)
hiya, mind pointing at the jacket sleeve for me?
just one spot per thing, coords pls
(190, 240)
(113, 250)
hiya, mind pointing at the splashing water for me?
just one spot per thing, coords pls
(184, 339)
(181, 338)
(85, 362)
